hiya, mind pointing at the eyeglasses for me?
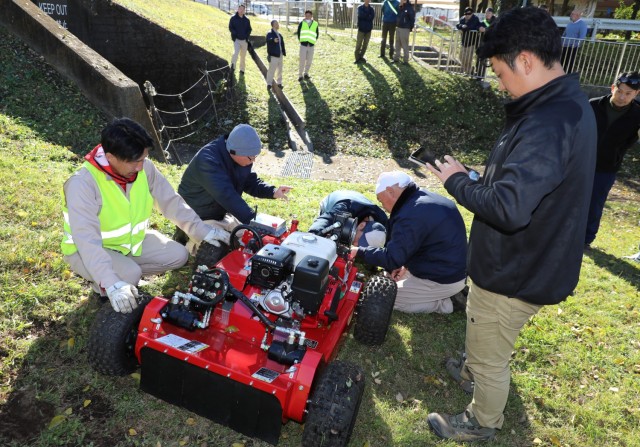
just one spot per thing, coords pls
(468, 13)
(628, 80)
(251, 157)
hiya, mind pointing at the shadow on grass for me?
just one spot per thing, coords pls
(619, 268)
(319, 120)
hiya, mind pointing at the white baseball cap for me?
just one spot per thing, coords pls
(391, 178)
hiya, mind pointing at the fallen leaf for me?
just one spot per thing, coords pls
(237, 444)
(191, 421)
(615, 389)
(68, 411)
(132, 432)
(86, 403)
(71, 343)
(375, 374)
(377, 381)
(555, 441)
(135, 376)
(399, 397)
(537, 441)
(57, 420)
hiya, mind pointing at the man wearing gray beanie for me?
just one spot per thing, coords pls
(220, 172)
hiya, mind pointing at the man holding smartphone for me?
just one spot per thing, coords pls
(531, 205)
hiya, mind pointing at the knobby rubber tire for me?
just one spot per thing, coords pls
(112, 340)
(374, 310)
(334, 405)
(209, 255)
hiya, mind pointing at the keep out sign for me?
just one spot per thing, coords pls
(56, 9)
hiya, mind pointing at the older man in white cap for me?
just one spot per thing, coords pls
(220, 172)
(426, 248)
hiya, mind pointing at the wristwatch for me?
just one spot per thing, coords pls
(474, 175)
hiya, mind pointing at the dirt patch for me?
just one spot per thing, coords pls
(24, 416)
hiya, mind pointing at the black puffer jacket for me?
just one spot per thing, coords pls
(614, 142)
(531, 205)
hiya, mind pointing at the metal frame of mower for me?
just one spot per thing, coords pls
(245, 351)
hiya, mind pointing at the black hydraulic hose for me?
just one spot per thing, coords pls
(238, 294)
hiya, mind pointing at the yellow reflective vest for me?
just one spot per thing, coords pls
(309, 33)
(123, 222)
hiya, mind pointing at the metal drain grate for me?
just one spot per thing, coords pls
(298, 164)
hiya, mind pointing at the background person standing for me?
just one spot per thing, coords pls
(240, 28)
(308, 33)
(405, 24)
(618, 122)
(366, 14)
(275, 54)
(389, 19)
(573, 36)
(469, 24)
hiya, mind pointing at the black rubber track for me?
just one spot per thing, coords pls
(334, 405)
(374, 310)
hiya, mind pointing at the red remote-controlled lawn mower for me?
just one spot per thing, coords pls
(252, 343)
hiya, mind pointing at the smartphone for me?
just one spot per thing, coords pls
(423, 156)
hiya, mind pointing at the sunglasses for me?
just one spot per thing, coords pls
(628, 80)
(468, 13)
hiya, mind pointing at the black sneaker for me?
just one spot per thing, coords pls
(460, 427)
(300, 79)
(363, 60)
(281, 86)
(457, 369)
(241, 73)
(268, 88)
(306, 76)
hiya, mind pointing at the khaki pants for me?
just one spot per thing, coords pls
(423, 295)
(466, 58)
(402, 43)
(275, 70)
(362, 42)
(493, 324)
(306, 57)
(159, 255)
(239, 47)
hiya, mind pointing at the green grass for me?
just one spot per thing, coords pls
(576, 367)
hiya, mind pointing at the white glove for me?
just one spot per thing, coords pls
(216, 235)
(123, 297)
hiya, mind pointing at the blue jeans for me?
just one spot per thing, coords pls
(602, 184)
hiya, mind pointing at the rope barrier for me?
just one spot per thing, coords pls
(188, 112)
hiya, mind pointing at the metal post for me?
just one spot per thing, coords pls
(624, 50)
(353, 18)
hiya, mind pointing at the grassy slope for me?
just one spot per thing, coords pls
(576, 367)
(368, 110)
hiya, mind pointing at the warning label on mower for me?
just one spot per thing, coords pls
(266, 375)
(355, 287)
(182, 344)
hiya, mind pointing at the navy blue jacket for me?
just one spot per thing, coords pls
(531, 204)
(240, 27)
(428, 237)
(365, 18)
(388, 16)
(346, 201)
(473, 24)
(273, 48)
(615, 140)
(406, 16)
(213, 184)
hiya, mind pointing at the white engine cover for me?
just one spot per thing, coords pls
(304, 244)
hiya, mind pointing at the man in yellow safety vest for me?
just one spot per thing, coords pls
(107, 206)
(308, 33)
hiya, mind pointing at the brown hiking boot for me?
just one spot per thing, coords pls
(462, 427)
(459, 372)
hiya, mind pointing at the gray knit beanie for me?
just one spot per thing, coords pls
(244, 141)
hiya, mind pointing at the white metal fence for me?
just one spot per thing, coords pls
(597, 61)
